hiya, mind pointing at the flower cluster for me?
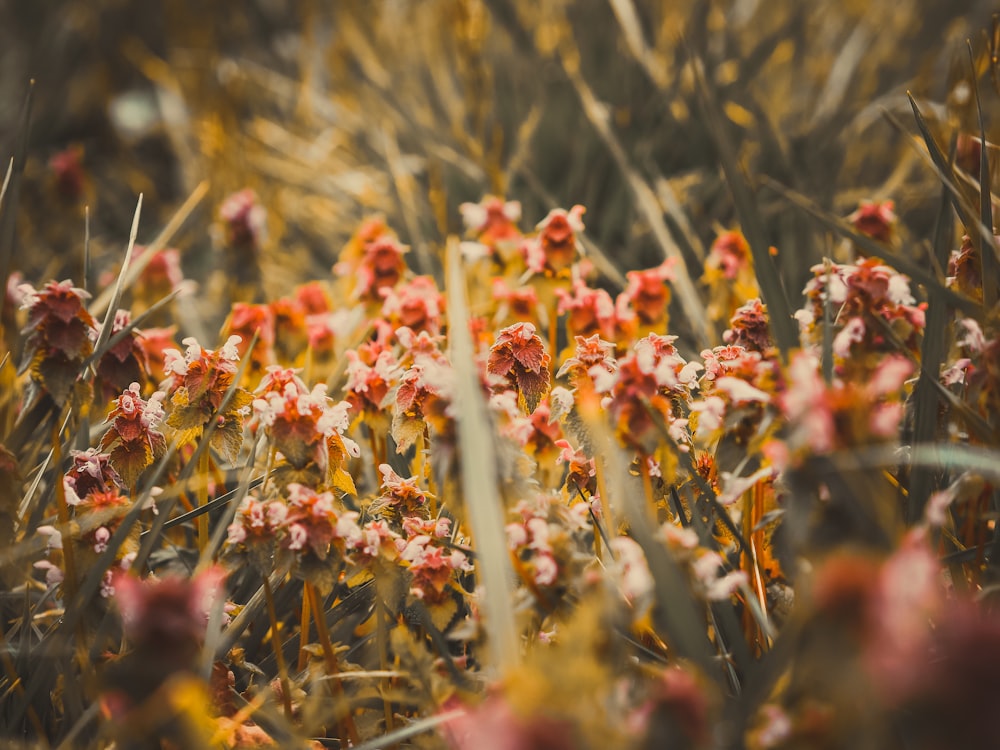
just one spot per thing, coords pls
(520, 358)
(434, 564)
(872, 311)
(92, 489)
(125, 362)
(307, 428)
(196, 384)
(302, 521)
(132, 442)
(729, 275)
(60, 336)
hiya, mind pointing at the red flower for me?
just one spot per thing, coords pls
(133, 443)
(161, 276)
(123, 364)
(591, 311)
(67, 172)
(418, 305)
(492, 220)
(154, 342)
(649, 294)
(196, 383)
(874, 219)
(555, 248)
(749, 327)
(244, 221)
(520, 358)
(244, 321)
(168, 617)
(401, 497)
(380, 267)
(520, 304)
(730, 253)
(369, 384)
(60, 332)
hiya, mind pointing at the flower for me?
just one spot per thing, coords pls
(196, 384)
(243, 322)
(864, 299)
(400, 497)
(381, 267)
(60, 336)
(648, 293)
(370, 382)
(306, 427)
(749, 327)
(875, 219)
(492, 221)
(555, 248)
(168, 617)
(132, 442)
(729, 274)
(591, 311)
(125, 362)
(244, 221)
(519, 356)
(417, 304)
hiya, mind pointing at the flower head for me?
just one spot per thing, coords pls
(519, 357)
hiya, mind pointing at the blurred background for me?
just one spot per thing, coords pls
(333, 111)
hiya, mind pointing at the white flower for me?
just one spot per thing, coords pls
(740, 390)
(229, 350)
(899, 290)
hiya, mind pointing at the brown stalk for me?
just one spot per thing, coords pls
(348, 727)
(279, 656)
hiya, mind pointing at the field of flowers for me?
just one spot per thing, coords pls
(481, 476)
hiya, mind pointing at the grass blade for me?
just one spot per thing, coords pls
(646, 201)
(911, 268)
(101, 304)
(8, 210)
(116, 297)
(934, 347)
(987, 245)
(783, 327)
(479, 475)
(946, 174)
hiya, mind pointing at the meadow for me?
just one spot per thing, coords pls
(500, 374)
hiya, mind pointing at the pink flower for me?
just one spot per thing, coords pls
(875, 219)
(555, 248)
(418, 305)
(648, 292)
(244, 220)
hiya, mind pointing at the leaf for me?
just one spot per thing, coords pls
(406, 430)
(228, 438)
(443, 613)
(131, 459)
(55, 373)
(343, 481)
(531, 387)
(241, 399)
(187, 418)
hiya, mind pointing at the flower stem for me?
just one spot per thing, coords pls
(382, 642)
(647, 484)
(203, 472)
(329, 655)
(303, 632)
(279, 656)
